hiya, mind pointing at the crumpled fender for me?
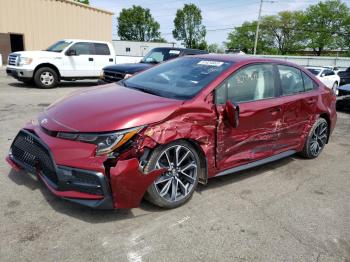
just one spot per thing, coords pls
(129, 183)
(190, 122)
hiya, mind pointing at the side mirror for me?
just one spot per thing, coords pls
(232, 112)
(323, 74)
(71, 52)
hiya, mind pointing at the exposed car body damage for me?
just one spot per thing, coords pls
(265, 129)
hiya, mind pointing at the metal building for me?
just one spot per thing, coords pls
(36, 24)
(135, 48)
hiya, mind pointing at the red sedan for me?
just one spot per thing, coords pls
(161, 132)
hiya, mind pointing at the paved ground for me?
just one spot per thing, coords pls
(290, 210)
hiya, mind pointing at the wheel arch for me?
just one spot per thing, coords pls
(203, 179)
(50, 66)
(327, 118)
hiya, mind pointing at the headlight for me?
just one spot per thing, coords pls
(127, 76)
(106, 143)
(24, 61)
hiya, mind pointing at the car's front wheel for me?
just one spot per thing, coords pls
(177, 184)
(316, 140)
(46, 77)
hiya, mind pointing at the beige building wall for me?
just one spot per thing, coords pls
(42, 22)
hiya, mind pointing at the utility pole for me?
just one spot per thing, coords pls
(257, 28)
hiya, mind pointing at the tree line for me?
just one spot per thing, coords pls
(321, 27)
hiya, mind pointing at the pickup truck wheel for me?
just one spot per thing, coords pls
(46, 78)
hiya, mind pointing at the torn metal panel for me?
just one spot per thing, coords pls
(129, 183)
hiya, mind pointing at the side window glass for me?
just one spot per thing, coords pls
(220, 94)
(309, 84)
(291, 80)
(101, 49)
(251, 83)
(83, 48)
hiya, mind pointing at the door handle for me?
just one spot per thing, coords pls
(91, 59)
(111, 60)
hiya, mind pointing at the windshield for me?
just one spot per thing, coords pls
(181, 79)
(58, 46)
(158, 55)
(314, 71)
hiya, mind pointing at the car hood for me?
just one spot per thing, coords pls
(106, 108)
(129, 68)
(36, 54)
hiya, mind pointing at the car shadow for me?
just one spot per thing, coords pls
(95, 216)
(60, 85)
(245, 174)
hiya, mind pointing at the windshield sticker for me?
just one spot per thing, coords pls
(174, 52)
(210, 63)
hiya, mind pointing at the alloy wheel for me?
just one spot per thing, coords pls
(318, 139)
(181, 175)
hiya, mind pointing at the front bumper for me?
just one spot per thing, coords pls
(71, 170)
(19, 73)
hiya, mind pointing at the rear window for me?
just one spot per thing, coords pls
(101, 49)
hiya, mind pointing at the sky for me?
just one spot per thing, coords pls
(219, 16)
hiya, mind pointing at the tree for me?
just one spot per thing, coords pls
(323, 23)
(282, 29)
(188, 26)
(242, 38)
(215, 48)
(137, 24)
(83, 1)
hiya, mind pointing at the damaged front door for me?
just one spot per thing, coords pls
(254, 90)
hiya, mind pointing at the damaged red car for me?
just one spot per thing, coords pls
(158, 134)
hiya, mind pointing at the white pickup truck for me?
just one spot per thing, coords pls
(69, 59)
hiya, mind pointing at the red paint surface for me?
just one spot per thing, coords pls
(262, 131)
(129, 183)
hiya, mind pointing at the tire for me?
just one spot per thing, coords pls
(175, 187)
(45, 77)
(316, 139)
(335, 88)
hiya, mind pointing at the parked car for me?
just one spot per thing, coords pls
(343, 101)
(344, 76)
(69, 59)
(327, 76)
(334, 68)
(115, 73)
(161, 132)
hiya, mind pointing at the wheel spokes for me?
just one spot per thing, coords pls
(181, 173)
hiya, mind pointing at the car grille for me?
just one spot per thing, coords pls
(12, 60)
(28, 149)
(113, 76)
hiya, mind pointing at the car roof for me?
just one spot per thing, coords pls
(84, 40)
(185, 50)
(241, 58)
(316, 67)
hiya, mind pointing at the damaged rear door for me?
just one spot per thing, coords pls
(253, 89)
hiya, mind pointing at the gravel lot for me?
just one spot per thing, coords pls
(290, 210)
